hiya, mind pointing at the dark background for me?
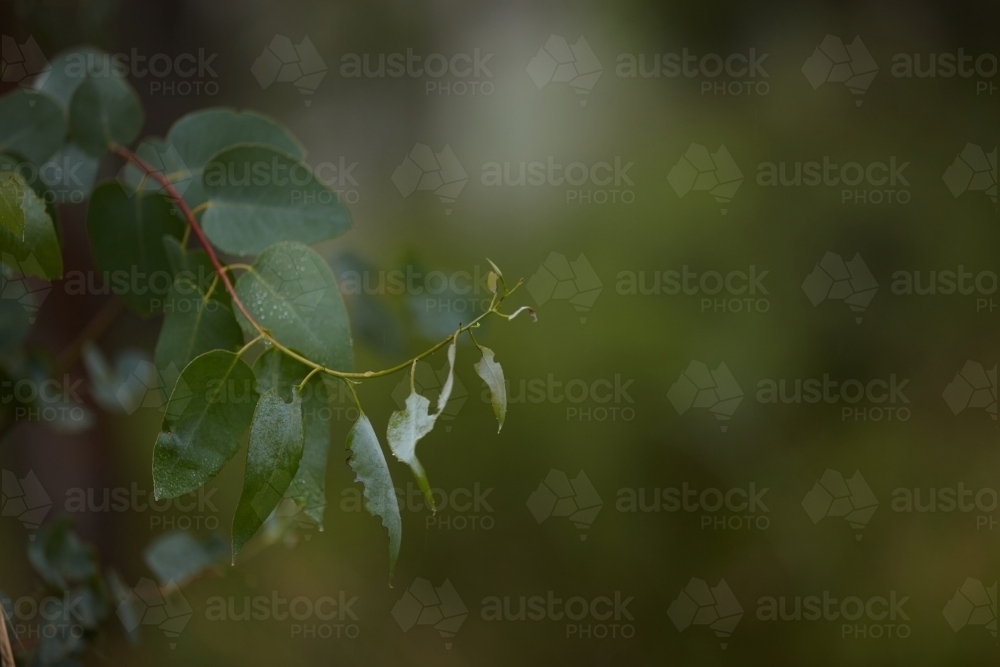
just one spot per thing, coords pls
(648, 340)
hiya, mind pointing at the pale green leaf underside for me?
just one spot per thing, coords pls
(406, 428)
(492, 374)
(370, 468)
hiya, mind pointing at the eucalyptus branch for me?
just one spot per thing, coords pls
(222, 273)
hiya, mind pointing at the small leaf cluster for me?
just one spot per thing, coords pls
(221, 182)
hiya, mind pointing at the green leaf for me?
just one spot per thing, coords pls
(276, 441)
(104, 111)
(370, 468)
(66, 72)
(209, 410)
(492, 374)
(36, 252)
(195, 322)
(291, 292)
(406, 428)
(12, 187)
(259, 196)
(177, 557)
(126, 236)
(276, 370)
(198, 136)
(33, 125)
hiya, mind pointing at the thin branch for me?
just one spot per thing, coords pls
(171, 191)
(223, 275)
(6, 654)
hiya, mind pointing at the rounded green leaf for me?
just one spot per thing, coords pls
(198, 136)
(36, 251)
(259, 196)
(67, 71)
(33, 125)
(126, 232)
(276, 441)
(104, 111)
(209, 410)
(291, 292)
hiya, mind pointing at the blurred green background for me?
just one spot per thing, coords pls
(642, 341)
